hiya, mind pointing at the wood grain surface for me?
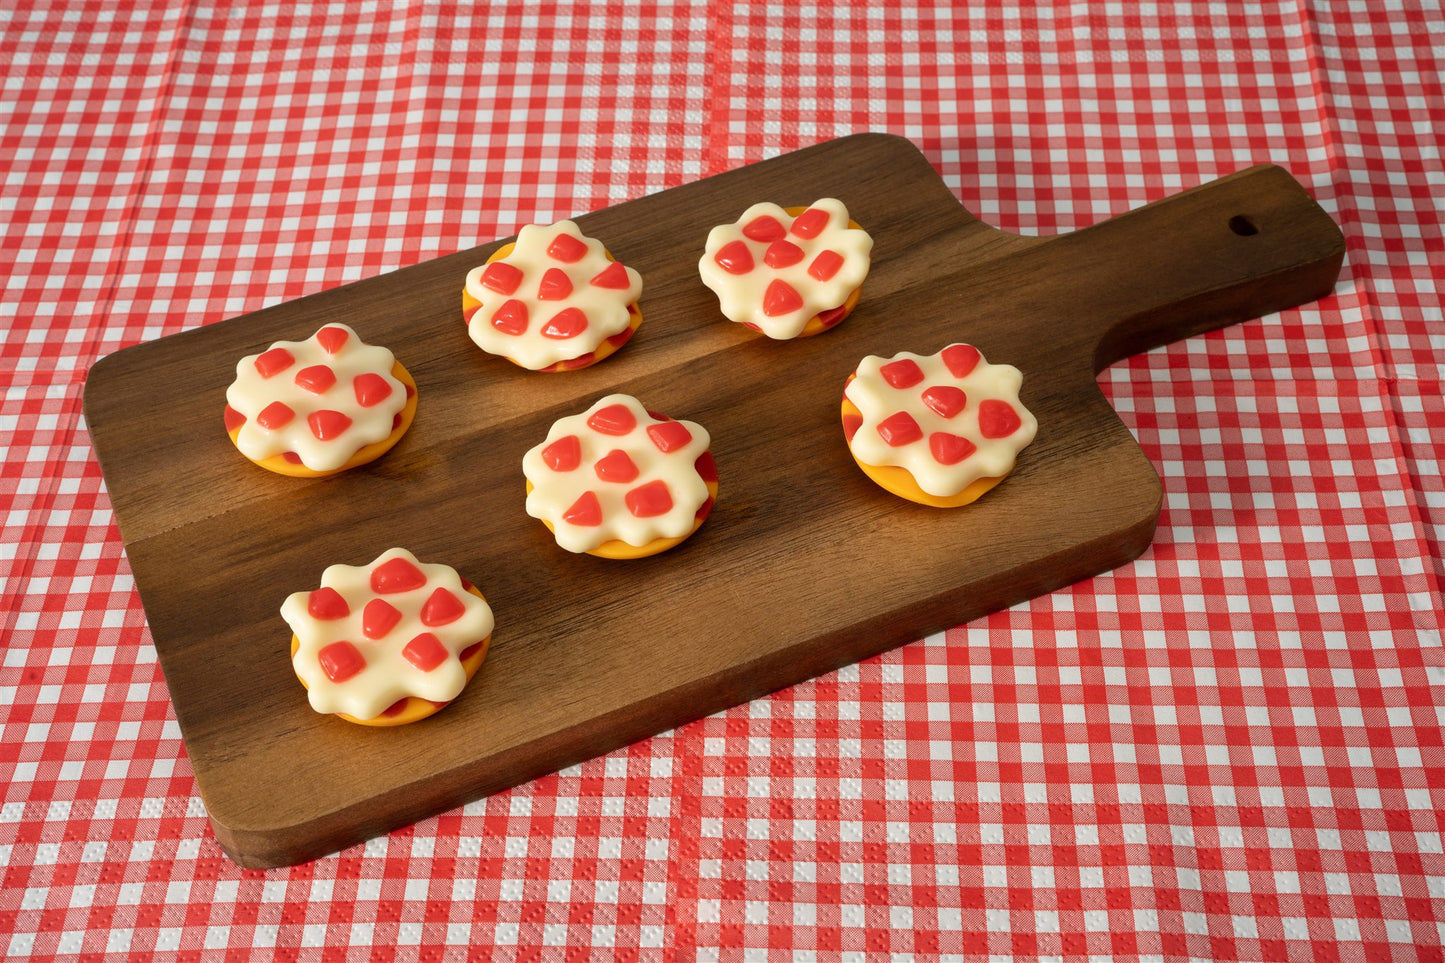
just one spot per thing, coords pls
(804, 566)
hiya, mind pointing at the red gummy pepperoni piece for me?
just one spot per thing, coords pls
(425, 652)
(706, 469)
(650, 500)
(340, 661)
(233, 418)
(554, 286)
(947, 400)
(585, 511)
(997, 419)
(396, 575)
(734, 258)
(613, 420)
(274, 361)
(332, 340)
(810, 223)
(899, 429)
(781, 254)
(616, 466)
(564, 454)
(327, 425)
(378, 618)
(960, 359)
(669, 435)
(903, 373)
(275, 415)
(764, 228)
(567, 323)
(825, 265)
(781, 298)
(566, 248)
(511, 317)
(851, 424)
(613, 276)
(370, 389)
(501, 277)
(443, 608)
(949, 449)
(327, 604)
(316, 379)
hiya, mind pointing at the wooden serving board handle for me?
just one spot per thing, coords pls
(1245, 245)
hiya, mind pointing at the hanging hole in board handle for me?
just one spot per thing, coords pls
(1243, 226)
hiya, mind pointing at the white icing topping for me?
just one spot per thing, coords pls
(605, 308)
(742, 296)
(388, 675)
(252, 392)
(555, 492)
(878, 400)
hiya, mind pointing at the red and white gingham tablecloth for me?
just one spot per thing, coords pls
(1229, 749)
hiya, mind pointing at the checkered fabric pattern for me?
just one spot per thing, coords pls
(1229, 749)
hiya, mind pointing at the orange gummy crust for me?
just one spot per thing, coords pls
(603, 350)
(900, 481)
(414, 708)
(367, 453)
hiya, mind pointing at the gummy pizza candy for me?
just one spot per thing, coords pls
(788, 272)
(940, 430)
(554, 300)
(387, 643)
(619, 481)
(320, 406)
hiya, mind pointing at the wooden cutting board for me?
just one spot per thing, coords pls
(805, 564)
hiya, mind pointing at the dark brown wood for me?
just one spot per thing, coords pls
(804, 566)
